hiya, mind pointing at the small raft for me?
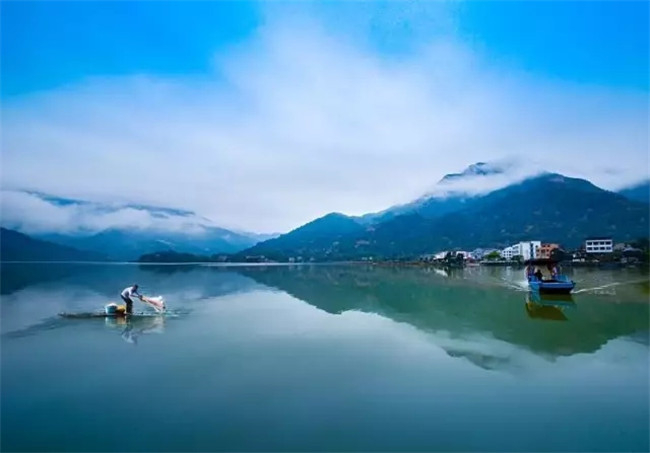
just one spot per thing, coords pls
(113, 310)
(103, 314)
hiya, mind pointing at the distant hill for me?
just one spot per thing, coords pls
(15, 246)
(127, 245)
(317, 238)
(154, 228)
(173, 257)
(638, 192)
(549, 207)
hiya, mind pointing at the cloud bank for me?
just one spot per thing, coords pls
(34, 214)
(297, 122)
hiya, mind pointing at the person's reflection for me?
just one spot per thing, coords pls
(133, 328)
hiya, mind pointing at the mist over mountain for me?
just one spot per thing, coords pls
(637, 192)
(477, 169)
(118, 231)
(549, 207)
(462, 211)
(455, 190)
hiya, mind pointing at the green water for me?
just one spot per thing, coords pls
(325, 358)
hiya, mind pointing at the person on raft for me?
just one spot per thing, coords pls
(126, 295)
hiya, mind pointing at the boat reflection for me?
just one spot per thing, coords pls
(133, 328)
(548, 306)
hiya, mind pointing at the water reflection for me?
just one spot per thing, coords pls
(482, 301)
(466, 304)
(133, 328)
(548, 306)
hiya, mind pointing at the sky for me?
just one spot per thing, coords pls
(264, 116)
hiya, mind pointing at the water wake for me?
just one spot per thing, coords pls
(521, 285)
(609, 285)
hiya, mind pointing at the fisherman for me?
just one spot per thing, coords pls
(126, 295)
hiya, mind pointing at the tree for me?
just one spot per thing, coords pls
(492, 256)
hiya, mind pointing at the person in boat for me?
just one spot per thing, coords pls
(538, 274)
(126, 296)
(554, 272)
(529, 272)
(549, 267)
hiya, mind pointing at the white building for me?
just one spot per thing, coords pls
(508, 252)
(440, 255)
(599, 245)
(527, 250)
(530, 250)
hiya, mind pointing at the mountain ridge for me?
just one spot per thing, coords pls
(637, 192)
(124, 245)
(450, 193)
(477, 169)
(319, 234)
(121, 231)
(550, 207)
(16, 246)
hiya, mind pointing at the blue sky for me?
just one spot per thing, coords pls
(47, 44)
(246, 99)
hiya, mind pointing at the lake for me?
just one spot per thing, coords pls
(323, 358)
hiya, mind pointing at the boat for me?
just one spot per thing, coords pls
(113, 310)
(103, 314)
(557, 284)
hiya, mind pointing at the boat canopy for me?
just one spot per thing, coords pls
(541, 261)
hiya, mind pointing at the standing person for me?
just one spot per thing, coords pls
(126, 295)
(555, 272)
(529, 271)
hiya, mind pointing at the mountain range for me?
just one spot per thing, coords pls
(121, 232)
(15, 246)
(127, 245)
(548, 207)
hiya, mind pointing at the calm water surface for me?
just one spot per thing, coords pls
(323, 358)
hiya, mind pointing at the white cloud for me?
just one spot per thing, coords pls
(297, 123)
(32, 214)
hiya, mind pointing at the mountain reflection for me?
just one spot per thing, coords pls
(474, 307)
(462, 304)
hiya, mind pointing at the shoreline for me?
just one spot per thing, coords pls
(382, 263)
